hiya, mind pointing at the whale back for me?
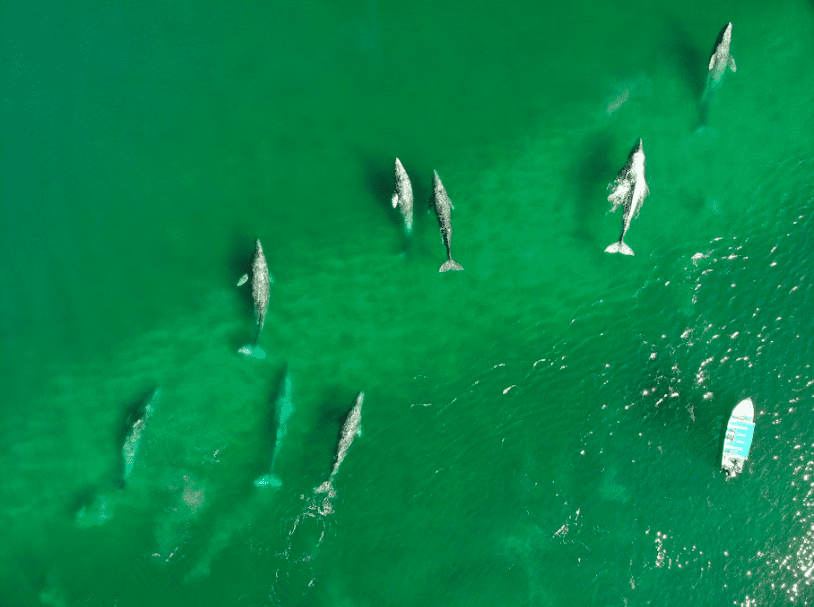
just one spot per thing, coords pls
(260, 287)
(136, 423)
(350, 430)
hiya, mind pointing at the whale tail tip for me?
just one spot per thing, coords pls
(619, 247)
(253, 351)
(450, 264)
(268, 480)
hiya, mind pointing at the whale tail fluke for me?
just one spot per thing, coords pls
(450, 264)
(253, 351)
(268, 480)
(619, 247)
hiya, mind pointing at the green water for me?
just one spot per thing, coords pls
(544, 428)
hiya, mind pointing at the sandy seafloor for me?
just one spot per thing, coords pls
(544, 428)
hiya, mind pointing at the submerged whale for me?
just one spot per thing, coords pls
(403, 197)
(283, 408)
(136, 422)
(443, 207)
(350, 430)
(261, 281)
(629, 191)
(94, 505)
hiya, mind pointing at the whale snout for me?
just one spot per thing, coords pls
(727, 37)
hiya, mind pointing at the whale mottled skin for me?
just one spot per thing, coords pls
(629, 191)
(403, 197)
(443, 210)
(721, 57)
(261, 281)
(136, 424)
(350, 430)
(283, 408)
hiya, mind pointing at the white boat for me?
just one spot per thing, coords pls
(738, 440)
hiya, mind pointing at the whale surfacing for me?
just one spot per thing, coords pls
(443, 211)
(721, 58)
(261, 281)
(403, 197)
(351, 428)
(629, 190)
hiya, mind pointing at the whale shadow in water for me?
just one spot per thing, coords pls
(593, 170)
(692, 199)
(683, 49)
(83, 497)
(684, 52)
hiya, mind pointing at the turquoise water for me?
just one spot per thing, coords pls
(544, 428)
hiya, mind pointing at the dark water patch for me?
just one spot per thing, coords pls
(685, 52)
(593, 170)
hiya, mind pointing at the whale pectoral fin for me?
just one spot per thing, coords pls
(712, 61)
(732, 65)
(395, 199)
(617, 198)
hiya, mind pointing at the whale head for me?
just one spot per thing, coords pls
(727, 37)
(400, 169)
(637, 158)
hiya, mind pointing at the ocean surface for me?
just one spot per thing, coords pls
(543, 429)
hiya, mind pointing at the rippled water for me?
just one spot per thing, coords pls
(544, 428)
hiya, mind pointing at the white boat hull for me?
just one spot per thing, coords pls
(738, 438)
